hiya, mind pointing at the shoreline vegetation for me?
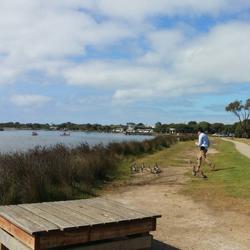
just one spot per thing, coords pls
(62, 173)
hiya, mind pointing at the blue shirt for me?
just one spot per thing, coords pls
(203, 140)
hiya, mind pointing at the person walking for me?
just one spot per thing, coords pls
(203, 144)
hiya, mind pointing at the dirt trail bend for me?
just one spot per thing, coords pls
(242, 147)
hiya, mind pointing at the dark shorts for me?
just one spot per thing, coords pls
(203, 149)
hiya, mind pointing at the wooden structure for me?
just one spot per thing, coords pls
(99, 224)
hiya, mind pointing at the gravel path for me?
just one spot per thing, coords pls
(243, 148)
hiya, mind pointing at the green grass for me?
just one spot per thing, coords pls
(231, 178)
(176, 155)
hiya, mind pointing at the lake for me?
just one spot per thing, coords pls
(22, 140)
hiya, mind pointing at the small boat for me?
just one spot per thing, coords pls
(34, 133)
(65, 134)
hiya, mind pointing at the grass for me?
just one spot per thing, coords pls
(229, 184)
(177, 155)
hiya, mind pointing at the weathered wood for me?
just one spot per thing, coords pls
(17, 232)
(29, 215)
(136, 243)
(55, 224)
(22, 222)
(38, 209)
(142, 212)
(10, 242)
(83, 219)
(96, 233)
(104, 216)
(93, 213)
(40, 217)
(92, 218)
(123, 212)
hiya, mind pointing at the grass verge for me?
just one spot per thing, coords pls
(228, 186)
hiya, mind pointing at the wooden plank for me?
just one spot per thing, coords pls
(10, 242)
(131, 208)
(70, 221)
(123, 212)
(40, 210)
(70, 215)
(97, 216)
(18, 233)
(29, 215)
(98, 210)
(83, 215)
(123, 229)
(92, 217)
(19, 220)
(136, 243)
(95, 233)
(118, 208)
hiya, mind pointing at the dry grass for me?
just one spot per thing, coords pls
(61, 173)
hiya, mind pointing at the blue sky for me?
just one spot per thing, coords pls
(111, 61)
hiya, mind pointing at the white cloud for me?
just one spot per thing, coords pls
(111, 74)
(36, 34)
(28, 100)
(141, 9)
(202, 64)
(221, 55)
(42, 35)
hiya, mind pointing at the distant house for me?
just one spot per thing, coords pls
(53, 128)
(145, 131)
(130, 128)
(118, 130)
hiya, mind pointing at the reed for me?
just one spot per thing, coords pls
(61, 173)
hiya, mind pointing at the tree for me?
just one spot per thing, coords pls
(193, 126)
(217, 127)
(205, 126)
(242, 111)
(158, 127)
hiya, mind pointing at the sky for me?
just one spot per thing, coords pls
(118, 61)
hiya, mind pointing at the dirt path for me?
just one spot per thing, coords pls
(185, 224)
(242, 147)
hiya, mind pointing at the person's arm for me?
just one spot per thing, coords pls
(200, 140)
(198, 144)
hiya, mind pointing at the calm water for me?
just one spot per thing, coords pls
(11, 141)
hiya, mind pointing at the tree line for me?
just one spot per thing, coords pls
(239, 129)
(190, 127)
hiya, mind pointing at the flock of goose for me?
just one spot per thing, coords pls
(142, 168)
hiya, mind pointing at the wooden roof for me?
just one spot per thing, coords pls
(63, 215)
